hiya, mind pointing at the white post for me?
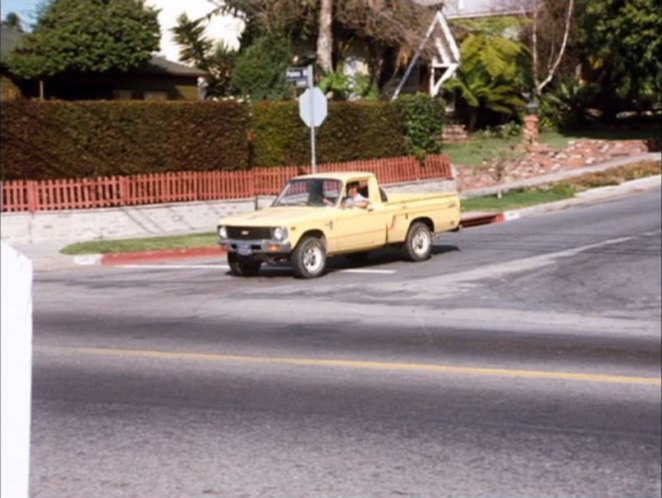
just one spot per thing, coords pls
(311, 82)
(16, 372)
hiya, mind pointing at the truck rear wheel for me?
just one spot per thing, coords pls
(418, 245)
(243, 267)
(309, 258)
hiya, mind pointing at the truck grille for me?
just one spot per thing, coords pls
(249, 233)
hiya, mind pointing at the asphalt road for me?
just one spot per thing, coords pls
(523, 359)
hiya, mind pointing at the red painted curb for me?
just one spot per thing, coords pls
(478, 219)
(123, 258)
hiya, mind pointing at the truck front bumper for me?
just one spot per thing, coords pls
(255, 247)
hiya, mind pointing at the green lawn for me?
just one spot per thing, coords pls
(517, 199)
(208, 239)
(480, 148)
(477, 150)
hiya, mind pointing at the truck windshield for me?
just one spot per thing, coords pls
(317, 192)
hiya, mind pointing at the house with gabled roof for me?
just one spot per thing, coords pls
(475, 9)
(445, 56)
(158, 79)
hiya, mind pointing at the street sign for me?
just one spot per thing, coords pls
(296, 74)
(313, 107)
(312, 103)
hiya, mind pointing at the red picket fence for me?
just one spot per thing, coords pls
(115, 191)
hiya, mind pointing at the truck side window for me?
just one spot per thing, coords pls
(355, 197)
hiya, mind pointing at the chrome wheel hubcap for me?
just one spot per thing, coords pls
(313, 259)
(421, 242)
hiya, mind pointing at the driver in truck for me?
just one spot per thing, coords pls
(354, 197)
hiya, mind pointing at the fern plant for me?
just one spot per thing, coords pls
(566, 106)
(493, 75)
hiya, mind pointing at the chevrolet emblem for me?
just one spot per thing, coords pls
(245, 232)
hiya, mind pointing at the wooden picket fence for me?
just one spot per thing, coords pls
(117, 191)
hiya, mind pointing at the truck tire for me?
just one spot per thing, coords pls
(418, 245)
(309, 258)
(243, 267)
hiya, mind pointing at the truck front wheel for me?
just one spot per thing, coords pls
(418, 245)
(309, 258)
(243, 267)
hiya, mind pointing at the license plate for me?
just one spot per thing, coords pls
(244, 249)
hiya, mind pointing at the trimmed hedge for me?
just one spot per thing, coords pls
(361, 130)
(351, 131)
(424, 120)
(47, 140)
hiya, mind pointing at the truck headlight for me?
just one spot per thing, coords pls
(279, 233)
(223, 232)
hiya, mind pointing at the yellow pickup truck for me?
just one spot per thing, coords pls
(326, 214)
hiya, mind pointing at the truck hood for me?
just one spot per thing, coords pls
(276, 216)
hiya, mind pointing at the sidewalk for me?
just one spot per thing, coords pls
(45, 256)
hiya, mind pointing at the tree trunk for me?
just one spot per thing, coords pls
(473, 118)
(325, 37)
(553, 66)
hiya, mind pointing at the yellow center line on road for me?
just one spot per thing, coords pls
(377, 365)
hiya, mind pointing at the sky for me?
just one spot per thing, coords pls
(227, 29)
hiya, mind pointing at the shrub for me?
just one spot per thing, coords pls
(49, 140)
(567, 105)
(423, 119)
(346, 87)
(259, 71)
(352, 130)
(77, 139)
(279, 137)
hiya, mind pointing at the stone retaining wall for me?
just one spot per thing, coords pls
(540, 159)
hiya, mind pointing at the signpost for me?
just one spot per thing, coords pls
(298, 76)
(313, 106)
